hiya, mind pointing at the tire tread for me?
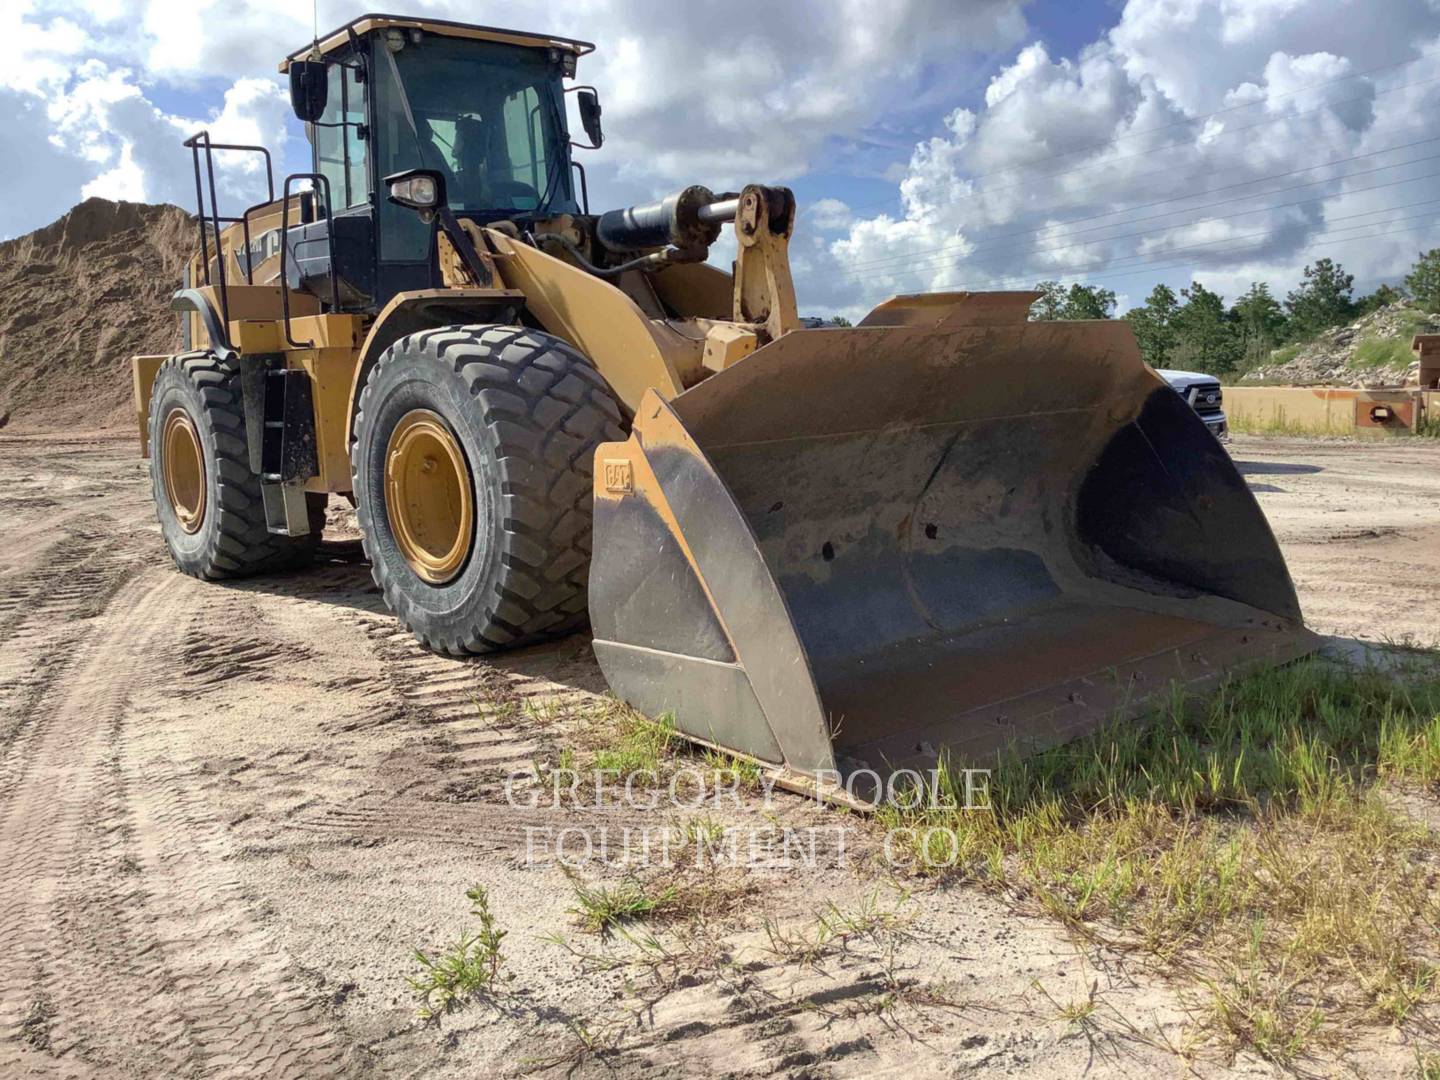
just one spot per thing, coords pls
(545, 409)
(242, 544)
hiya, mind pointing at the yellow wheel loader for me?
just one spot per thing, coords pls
(828, 550)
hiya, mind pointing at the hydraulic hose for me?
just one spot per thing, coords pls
(643, 262)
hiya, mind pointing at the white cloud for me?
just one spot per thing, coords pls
(1036, 174)
(92, 69)
(829, 215)
(40, 52)
(197, 38)
(1076, 167)
(681, 109)
(124, 182)
(685, 100)
(105, 119)
(1031, 60)
(1196, 50)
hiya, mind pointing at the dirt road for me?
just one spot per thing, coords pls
(1360, 525)
(229, 814)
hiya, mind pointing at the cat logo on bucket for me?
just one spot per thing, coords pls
(618, 476)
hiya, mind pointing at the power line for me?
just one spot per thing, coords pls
(909, 257)
(976, 193)
(1196, 119)
(1168, 252)
(1150, 269)
(932, 263)
(1171, 146)
(1180, 198)
(1146, 258)
(1193, 120)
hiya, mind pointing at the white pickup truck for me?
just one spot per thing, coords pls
(1203, 393)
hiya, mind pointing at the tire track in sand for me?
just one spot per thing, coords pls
(125, 945)
(47, 611)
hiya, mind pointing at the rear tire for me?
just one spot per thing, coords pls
(206, 498)
(479, 532)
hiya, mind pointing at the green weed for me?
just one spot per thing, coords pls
(601, 908)
(639, 743)
(1252, 825)
(467, 968)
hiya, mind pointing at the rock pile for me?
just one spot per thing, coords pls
(1330, 359)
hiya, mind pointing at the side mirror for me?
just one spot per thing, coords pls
(419, 189)
(309, 89)
(589, 103)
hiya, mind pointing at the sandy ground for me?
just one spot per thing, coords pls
(229, 813)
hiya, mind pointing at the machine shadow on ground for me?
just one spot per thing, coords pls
(1275, 468)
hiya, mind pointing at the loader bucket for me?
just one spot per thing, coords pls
(944, 528)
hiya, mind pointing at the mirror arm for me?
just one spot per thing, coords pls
(460, 241)
(361, 72)
(596, 137)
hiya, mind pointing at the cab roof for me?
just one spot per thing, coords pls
(363, 25)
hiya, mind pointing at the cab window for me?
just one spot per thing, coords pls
(524, 139)
(341, 156)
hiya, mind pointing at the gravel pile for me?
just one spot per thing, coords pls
(1330, 358)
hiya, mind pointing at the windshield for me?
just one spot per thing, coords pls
(487, 116)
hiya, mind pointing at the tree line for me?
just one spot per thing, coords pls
(1196, 330)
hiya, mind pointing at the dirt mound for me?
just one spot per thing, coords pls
(77, 299)
(1372, 351)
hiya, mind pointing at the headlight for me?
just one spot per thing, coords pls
(419, 189)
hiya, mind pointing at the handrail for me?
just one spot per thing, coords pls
(195, 143)
(191, 143)
(285, 246)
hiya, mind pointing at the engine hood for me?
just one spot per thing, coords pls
(1183, 380)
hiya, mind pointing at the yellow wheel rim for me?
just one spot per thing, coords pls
(428, 496)
(184, 469)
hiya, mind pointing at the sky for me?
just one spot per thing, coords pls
(932, 144)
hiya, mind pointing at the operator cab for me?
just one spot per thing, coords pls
(481, 107)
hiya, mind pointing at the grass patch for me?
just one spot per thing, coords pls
(673, 897)
(468, 968)
(1243, 844)
(700, 831)
(1286, 354)
(1079, 1011)
(834, 929)
(638, 743)
(1414, 321)
(601, 908)
(1278, 423)
(730, 771)
(655, 964)
(1378, 352)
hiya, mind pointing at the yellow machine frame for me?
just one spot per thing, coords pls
(621, 327)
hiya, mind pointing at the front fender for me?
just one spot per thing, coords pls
(428, 309)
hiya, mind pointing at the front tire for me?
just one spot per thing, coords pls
(207, 500)
(472, 461)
